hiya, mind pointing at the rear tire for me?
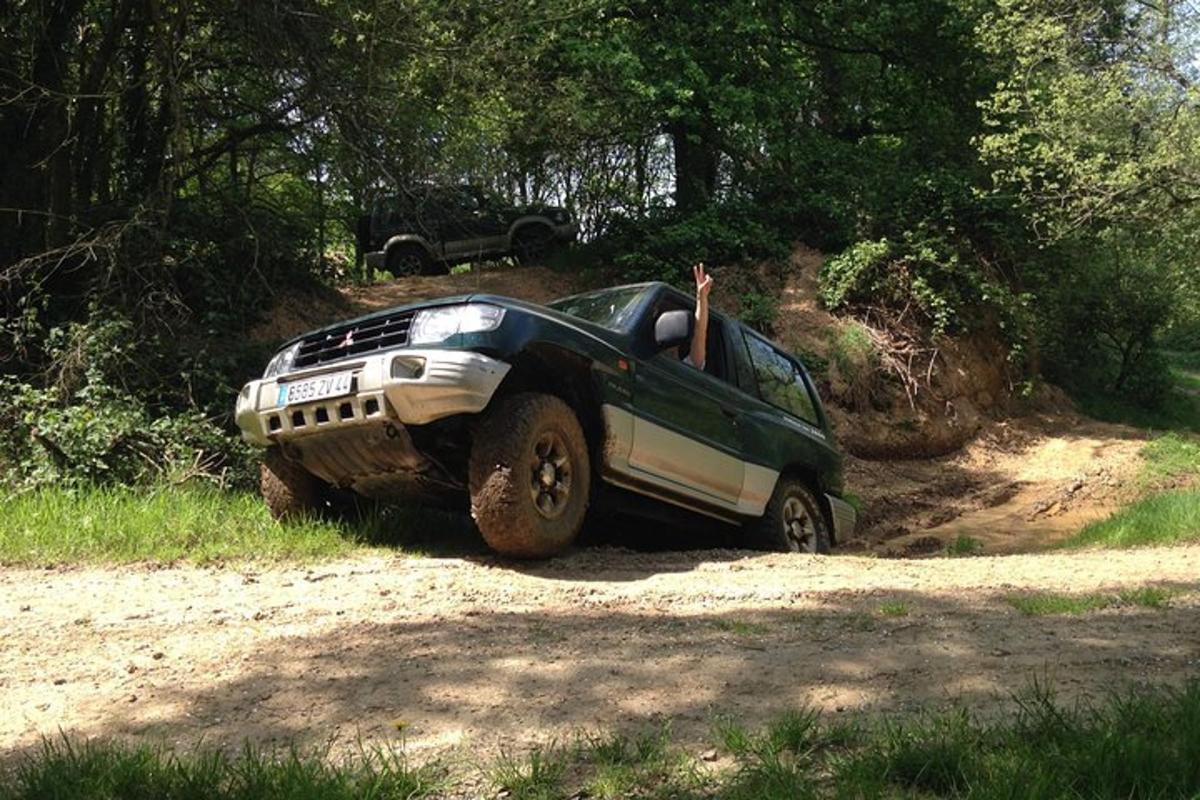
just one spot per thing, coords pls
(529, 476)
(533, 245)
(793, 522)
(290, 490)
(406, 260)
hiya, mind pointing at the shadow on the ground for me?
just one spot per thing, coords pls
(504, 677)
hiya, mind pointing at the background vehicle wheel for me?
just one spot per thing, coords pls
(793, 522)
(406, 259)
(289, 489)
(533, 245)
(530, 476)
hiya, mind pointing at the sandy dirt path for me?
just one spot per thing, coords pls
(482, 654)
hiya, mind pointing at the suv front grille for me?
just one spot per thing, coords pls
(346, 341)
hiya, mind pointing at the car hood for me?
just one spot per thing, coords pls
(609, 337)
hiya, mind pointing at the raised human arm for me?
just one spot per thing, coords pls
(699, 349)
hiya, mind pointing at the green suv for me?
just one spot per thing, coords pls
(429, 228)
(539, 413)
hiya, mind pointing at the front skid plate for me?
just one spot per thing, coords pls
(377, 460)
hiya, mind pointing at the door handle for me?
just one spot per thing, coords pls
(729, 411)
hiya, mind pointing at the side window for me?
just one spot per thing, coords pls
(780, 382)
(715, 347)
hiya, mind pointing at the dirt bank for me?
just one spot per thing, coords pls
(480, 654)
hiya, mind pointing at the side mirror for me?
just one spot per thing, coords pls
(672, 328)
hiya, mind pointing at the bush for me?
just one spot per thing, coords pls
(922, 271)
(665, 243)
(1102, 310)
(88, 423)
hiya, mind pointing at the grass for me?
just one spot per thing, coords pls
(896, 609)
(1173, 517)
(964, 546)
(99, 770)
(196, 524)
(1164, 519)
(1170, 458)
(740, 627)
(1042, 604)
(1137, 744)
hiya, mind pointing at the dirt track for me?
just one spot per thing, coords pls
(475, 652)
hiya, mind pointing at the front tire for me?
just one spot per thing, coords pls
(290, 491)
(793, 522)
(529, 476)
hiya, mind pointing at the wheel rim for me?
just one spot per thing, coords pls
(407, 264)
(550, 475)
(535, 247)
(799, 527)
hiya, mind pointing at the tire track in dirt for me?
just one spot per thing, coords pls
(485, 654)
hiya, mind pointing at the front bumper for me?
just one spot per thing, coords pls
(452, 382)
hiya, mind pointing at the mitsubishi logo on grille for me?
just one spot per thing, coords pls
(349, 340)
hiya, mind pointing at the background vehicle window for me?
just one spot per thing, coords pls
(780, 381)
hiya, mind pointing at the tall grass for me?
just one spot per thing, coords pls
(1165, 519)
(197, 524)
(1139, 745)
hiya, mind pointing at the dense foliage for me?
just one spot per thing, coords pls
(1030, 166)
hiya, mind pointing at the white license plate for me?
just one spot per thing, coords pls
(334, 384)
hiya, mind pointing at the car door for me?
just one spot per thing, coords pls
(685, 430)
(473, 228)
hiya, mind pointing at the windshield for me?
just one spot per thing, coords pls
(610, 308)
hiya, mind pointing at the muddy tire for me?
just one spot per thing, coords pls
(794, 521)
(529, 476)
(290, 490)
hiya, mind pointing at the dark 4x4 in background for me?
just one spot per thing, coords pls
(538, 413)
(427, 229)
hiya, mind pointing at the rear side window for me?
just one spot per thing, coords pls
(780, 381)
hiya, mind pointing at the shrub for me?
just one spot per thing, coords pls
(922, 271)
(88, 423)
(666, 242)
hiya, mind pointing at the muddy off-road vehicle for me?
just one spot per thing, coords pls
(428, 229)
(538, 413)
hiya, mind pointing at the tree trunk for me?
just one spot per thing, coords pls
(695, 167)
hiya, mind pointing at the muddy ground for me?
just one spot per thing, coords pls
(485, 656)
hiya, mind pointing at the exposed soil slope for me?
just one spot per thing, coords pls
(488, 656)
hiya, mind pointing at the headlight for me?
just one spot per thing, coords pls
(282, 363)
(435, 325)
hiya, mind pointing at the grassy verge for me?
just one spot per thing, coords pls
(1136, 745)
(197, 524)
